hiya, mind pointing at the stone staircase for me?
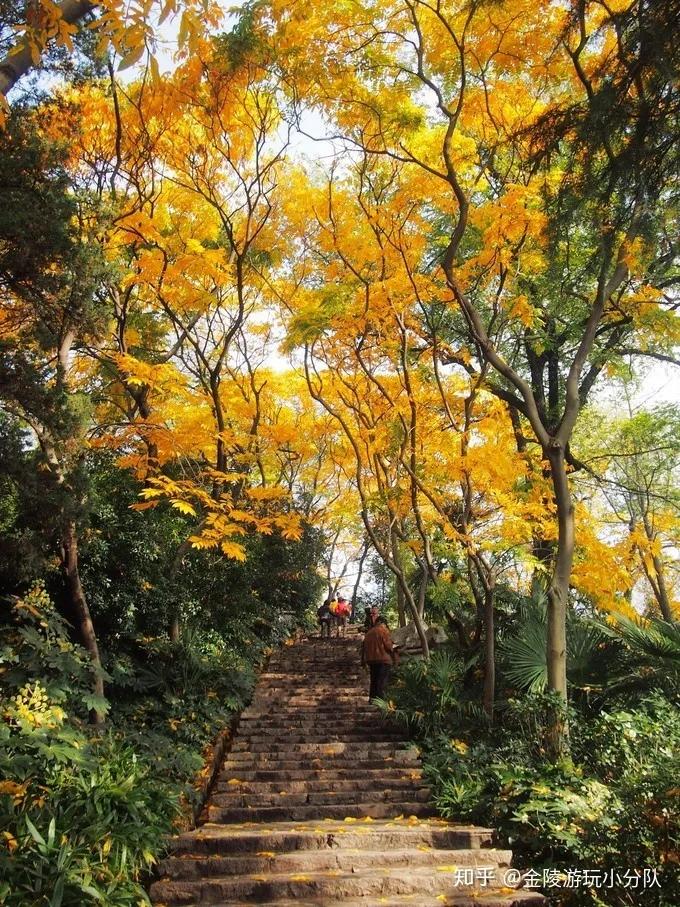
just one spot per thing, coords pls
(320, 802)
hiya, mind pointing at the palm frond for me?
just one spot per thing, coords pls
(650, 652)
(524, 654)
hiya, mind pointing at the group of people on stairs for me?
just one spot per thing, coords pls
(378, 652)
(334, 613)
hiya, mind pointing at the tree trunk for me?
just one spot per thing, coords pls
(422, 592)
(404, 596)
(558, 593)
(661, 590)
(424, 645)
(658, 583)
(489, 690)
(174, 629)
(399, 589)
(401, 607)
(78, 602)
(357, 583)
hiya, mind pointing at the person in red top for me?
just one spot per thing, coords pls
(342, 613)
(378, 653)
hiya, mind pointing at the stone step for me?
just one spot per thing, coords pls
(301, 690)
(324, 748)
(308, 762)
(297, 720)
(480, 898)
(317, 672)
(321, 699)
(388, 747)
(331, 811)
(324, 717)
(323, 703)
(271, 729)
(321, 801)
(330, 749)
(345, 669)
(315, 784)
(309, 735)
(255, 730)
(330, 692)
(246, 741)
(344, 666)
(329, 695)
(318, 834)
(412, 773)
(329, 859)
(342, 662)
(236, 797)
(361, 709)
(264, 706)
(270, 886)
(344, 677)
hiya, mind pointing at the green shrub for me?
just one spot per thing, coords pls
(428, 696)
(82, 827)
(614, 803)
(84, 815)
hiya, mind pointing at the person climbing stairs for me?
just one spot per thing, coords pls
(321, 802)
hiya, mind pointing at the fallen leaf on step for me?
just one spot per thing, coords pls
(265, 853)
(349, 819)
(234, 781)
(441, 897)
(449, 868)
(424, 847)
(368, 819)
(300, 878)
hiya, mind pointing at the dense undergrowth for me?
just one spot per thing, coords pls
(612, 805)
(83, 814)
